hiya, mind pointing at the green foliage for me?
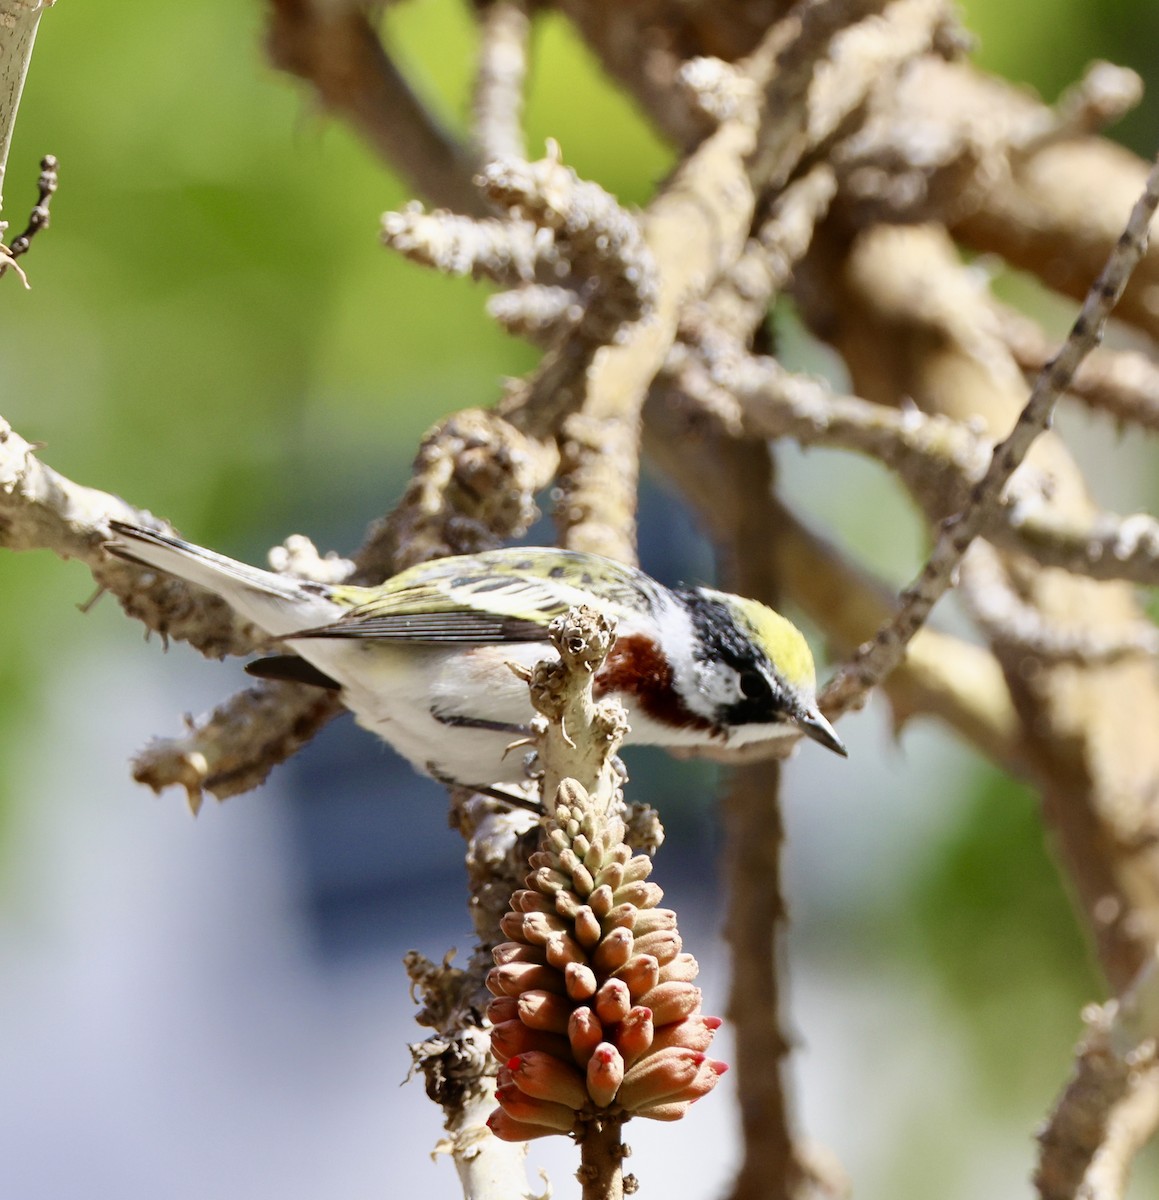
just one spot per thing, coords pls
(992, 923)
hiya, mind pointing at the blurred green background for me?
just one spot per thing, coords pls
(214, 333)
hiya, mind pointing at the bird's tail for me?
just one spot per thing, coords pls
(276, 603)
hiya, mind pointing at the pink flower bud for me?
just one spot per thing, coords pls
(600, 901)
(659, 1076)
(673, 1110)
(605, 1074)
(640, 893)
(511, 923)
(507, 952)
(587, 927)
(663, 944)
(525, 900)
(683, 968)
(637, 868)
(544, 1010)
(546, 1077)
(650, 920)
(530, 1111)
(580, 981)
(611, 876)
(584, 1033)
(613, 1001)
(620, 915)
(693, 1033)
(672, 1107)
(640, 974)
(671, 1001)
(539, 928)
(503, 1008)
(547, 880)
(508, 1130)
(563, 949)
(581, 878)
(510, 1038)
(634, 1035)
(511, 979)
(613, 951)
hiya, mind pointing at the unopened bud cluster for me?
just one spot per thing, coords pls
(595, 1012)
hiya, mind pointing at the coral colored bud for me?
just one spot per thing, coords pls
(683, 968)
(544, 1010)
(611, 876)
(651, 919)
(613, 1001)
(584, 1033)
(525, 900)
(503, 1008)
(512, 925)
(545, 1077)
(547, 879)
(512, 979)
(605, 1074)
(510, 1038)
(587, 927)
(539, 928)
(671, 1001)
(663, 944)
(507, 1130)
(563, 949)
(693, 1033)
(640, 893)
(613, 951)
(621, 915)
(640, 974)
(538, 859)
(507, 952)
(673, 1110)
(634, 1035)
(600, 901)
(659, 1076)
(592, 851)
(581, 878)
(580, 981)
(567, 904)
(530, 1111)
(637, 868)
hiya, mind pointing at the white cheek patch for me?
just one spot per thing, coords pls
(718, 683)
(704, 685)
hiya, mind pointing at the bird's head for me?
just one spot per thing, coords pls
(747, 670)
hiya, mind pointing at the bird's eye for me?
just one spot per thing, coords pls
(754, 685)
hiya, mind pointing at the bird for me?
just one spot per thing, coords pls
(424, 659)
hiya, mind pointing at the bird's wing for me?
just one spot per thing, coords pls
(515, 612)
(494, 597)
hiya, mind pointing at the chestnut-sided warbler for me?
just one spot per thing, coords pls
(422, 659)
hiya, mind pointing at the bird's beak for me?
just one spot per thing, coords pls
(816, 727)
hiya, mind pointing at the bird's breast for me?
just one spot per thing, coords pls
(637, 669)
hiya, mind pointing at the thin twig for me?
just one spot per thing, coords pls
(1122, 383)
(38, 218)
(878, 658)
(504, 30)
